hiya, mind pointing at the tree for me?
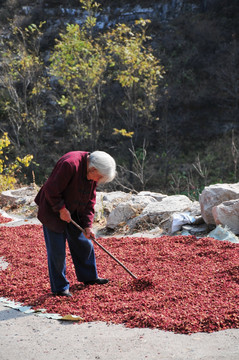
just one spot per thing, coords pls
(23, 83)
(137, 71)
(9, 169)
(79, 63)
(86, 65)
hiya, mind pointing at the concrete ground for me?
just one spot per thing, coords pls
(30, 337)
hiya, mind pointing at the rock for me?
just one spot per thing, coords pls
(142, 201)
(121, 214)
(157, 196)
(195, 210)
(224, 234)
(150, 211)
(116, 196)
(24, 195)
(169, 204)
(194, 229)
(106, 202)
(159, 213)
(227, 214)
(99, 208)
(214, 195)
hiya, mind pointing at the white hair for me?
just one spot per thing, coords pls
(104, 164)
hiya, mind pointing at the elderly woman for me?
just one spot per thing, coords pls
(70, 193)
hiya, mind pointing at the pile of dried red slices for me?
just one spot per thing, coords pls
(4, 220)
(190, 285)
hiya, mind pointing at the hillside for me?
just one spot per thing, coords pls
(191, 139)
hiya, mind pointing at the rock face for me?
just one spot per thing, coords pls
(214, 195)
(111, 12)
(227, 214)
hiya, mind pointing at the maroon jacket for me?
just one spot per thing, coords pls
(67, 185)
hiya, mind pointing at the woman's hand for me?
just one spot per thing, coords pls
(89, 233)
(65, 215)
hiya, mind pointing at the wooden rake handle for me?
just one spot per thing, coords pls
(104, 249)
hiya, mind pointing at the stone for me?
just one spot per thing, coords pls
(142, 201)
(194, 229)
(160, 213)
(121, 214)
(157, 196)
(169, 204)
(24, 195)
(227, 214)
(214, 195)
(223, 234)
(116, 196)
(125, 211)
(106, 202)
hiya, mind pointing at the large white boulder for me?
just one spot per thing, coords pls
(115, 196)
(169, 204)
(125, 211)
(121, 214)
(142, 201)
(227, 214)
(106, 202)
(214, 195)
(24, 195)
(157, 196)
(160, 213)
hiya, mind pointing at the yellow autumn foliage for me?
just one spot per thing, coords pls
(8, 169)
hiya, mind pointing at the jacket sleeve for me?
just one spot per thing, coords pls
(88, 217)
(57, 183)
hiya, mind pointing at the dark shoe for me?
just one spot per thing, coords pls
(63, 293)
(96, 281)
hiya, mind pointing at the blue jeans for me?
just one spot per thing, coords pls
(82, 253)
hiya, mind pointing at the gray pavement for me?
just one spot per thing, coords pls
(30, 337)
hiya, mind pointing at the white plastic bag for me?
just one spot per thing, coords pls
(181, 219)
